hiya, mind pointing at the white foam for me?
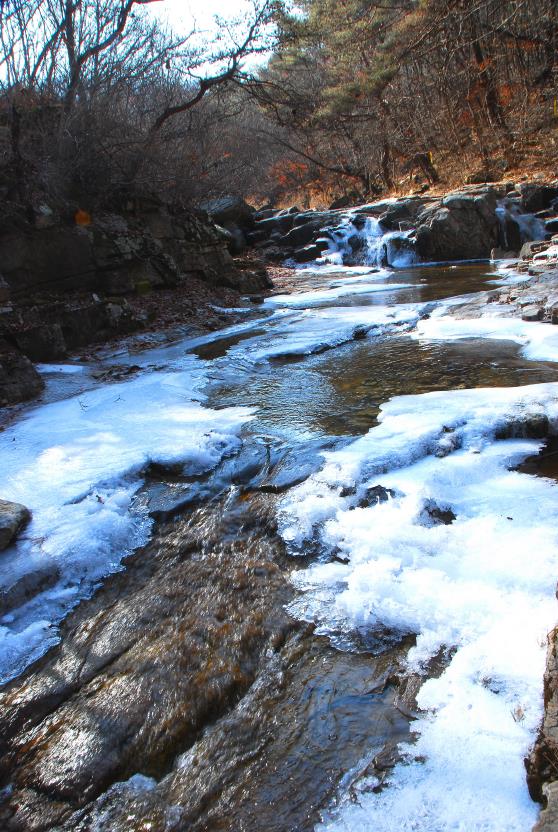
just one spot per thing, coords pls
(483, 585)
(76, 464)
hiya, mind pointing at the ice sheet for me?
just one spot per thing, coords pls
(539, 341)
(77, 464)
(479, 591)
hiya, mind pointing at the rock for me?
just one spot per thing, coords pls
(4, 292)
(247, 276)
(237, 243)
(404, 210)
(542, 762)
(462, 227)
(301, 235)
(281, 223)
(433, 514)
(528, 250)
(19, 380)
(376, 494)
(265, 213)
(548, 820)
(13, 516)
(309, 253)
(510, 233)
(551, 225)
(397, 247)
(532, 313)
(230, 209)
(535, 197)
(26, 587)
(502, 254)
(343, 202)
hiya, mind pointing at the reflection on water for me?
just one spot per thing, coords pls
(340, 392)
(429, 283)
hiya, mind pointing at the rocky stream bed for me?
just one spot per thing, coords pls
(295, 575)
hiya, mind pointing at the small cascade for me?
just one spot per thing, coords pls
(361, 240)
(516, 227)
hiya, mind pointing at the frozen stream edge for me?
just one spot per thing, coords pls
(483, 585)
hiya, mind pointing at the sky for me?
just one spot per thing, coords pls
(181, 14)
(184, 15)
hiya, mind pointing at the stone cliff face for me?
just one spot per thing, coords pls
(542, 763)
(66, 285)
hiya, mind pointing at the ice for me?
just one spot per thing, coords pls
(478, 591)
(77, 465)
(332, 268)
(70, 369)
(339, 290)
(539, 342)
(364, 239)
(315, 330)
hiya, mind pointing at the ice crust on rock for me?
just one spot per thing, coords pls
(479, 591)
(313, 330)
(539, 343)
(77, 465)
(337, 289)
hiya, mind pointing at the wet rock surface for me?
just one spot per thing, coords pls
(542, 763)
(186, 669)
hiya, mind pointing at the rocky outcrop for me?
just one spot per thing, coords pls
(65, 285)
(542, 763)
(234, 216)
(467, 224)
(19, 380)
(13, 517)
(461, 226)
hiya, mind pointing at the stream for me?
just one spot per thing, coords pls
(293, 575)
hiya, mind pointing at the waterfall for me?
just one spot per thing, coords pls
(361, 240)
(516, 227)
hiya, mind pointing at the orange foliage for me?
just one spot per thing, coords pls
(288, 173)
(82, 217)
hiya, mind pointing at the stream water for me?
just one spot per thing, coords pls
(386, 454)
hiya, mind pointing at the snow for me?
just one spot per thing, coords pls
(482, 585)
(69, 369)
(539, 341)
(340, 289)
(77, 465)
(314, 330)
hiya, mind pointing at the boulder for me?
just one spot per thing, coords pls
(281, 223)
(237, 242)
(542, 762)
(402, 211)
(19, 380)
(13, 517)
(227, 209)
(301, 235)
(308, 253)
(528, 250)
(44, 342)
(537, 197)
(462, 226)
(532, 313)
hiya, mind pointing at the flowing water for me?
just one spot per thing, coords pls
(220, 468)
